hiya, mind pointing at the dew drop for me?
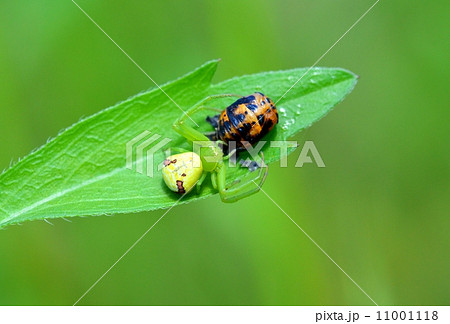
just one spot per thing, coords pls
(288, 123)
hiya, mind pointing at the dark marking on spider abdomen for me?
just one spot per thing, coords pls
(247, 119)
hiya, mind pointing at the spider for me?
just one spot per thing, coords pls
(186, 170)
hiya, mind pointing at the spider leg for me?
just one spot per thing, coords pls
(219, 96)
(214, 180)
(186, 131)
(200, 181)
(241, 188)
(199, 106)
(190, 132)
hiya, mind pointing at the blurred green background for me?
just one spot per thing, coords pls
(380, 207)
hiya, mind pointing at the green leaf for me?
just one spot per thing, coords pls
(83, 170)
